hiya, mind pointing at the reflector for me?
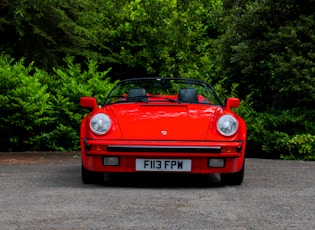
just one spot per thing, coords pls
(110, 161)
(216, 163)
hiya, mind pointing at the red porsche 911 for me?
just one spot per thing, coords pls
(162, 125)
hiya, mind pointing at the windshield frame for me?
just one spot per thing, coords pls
(136, 81)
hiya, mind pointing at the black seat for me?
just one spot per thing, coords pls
(137, 94)
(188, 95)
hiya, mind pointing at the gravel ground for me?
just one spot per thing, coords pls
(44, 191)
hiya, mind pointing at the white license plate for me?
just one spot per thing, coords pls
(168, 165)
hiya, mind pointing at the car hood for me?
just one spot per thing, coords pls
(165, 122)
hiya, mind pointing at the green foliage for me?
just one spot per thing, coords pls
(26, 109)
(41, 111)
(269, 134)
(135, 38)
(47, 31)
(68, 86)
(167, 38)
(266, 49)
(301, 147)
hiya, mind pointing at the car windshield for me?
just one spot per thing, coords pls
(161, 90)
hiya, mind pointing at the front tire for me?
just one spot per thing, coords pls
(233, 178)
(89, 177)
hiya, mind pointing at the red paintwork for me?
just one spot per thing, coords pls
(140, 124)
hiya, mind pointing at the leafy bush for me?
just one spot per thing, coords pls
(41, 111)
(266, 50)
(68, 85)
(26, 107)
(301, 147)
(279, 134)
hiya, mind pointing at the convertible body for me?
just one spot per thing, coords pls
(162, 125)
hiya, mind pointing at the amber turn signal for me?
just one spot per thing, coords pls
(228, 149)
(98, 148)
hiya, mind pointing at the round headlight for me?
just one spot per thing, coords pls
(227, 125)
(100, 123)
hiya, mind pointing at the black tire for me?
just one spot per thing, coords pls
(89, 177)
(233, 178)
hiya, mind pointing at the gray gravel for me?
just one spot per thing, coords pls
(46, 192)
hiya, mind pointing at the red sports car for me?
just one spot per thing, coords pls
(162, 125)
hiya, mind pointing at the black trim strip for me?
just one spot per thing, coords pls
(182, 149)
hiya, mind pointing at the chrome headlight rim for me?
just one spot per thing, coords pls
(100, 123)
(227, 125)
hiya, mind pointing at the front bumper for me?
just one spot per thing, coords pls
(199, 153)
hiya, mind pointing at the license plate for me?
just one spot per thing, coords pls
(168, 165)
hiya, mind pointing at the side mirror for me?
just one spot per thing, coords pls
(232, 103)
(88, 102)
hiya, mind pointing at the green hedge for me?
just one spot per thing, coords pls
(281, 134)
(41, 111)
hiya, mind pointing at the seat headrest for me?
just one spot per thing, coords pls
(136, 92)
(188, 95)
